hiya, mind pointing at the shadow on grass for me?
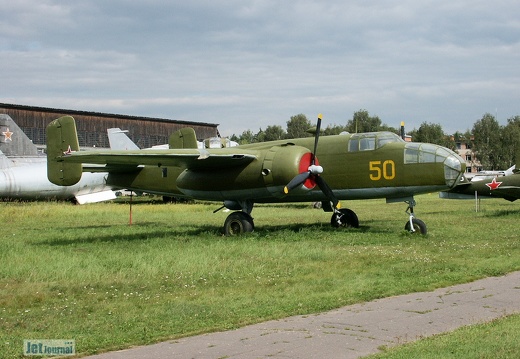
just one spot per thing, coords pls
(103, 234)
(300, 227)
(503, 213)
(106, 236)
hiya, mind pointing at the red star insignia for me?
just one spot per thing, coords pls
(494, 184)
(8, 135)
(69, 151)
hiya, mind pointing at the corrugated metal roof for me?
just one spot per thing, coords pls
(101, 114)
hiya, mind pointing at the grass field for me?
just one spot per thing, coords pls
(82, 272)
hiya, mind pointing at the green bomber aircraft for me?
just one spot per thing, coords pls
(344, 167)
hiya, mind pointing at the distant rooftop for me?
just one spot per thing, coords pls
(101, 114)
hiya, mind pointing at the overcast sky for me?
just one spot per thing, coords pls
(250, 64)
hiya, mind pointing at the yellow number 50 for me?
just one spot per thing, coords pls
(380, 170)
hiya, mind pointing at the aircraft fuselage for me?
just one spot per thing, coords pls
(395, 169)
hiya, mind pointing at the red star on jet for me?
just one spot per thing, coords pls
(494, 184)
(69, 151)
(8, 135)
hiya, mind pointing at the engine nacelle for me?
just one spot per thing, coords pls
(266, 176)
(282, 163)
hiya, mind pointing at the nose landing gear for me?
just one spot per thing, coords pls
(414, 225)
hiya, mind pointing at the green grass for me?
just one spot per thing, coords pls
(83, 272)
(497, 339)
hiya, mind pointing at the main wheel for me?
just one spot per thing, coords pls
(418, 226)
(345, 218)
(238, 223)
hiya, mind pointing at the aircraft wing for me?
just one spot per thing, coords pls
(185, 158)
(511, 193)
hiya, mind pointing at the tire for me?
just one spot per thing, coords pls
(345, 218)
(418, 226)
(238, 223)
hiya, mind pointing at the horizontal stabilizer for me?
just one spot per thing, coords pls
(96, 197)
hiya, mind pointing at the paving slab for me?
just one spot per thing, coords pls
(349, 332)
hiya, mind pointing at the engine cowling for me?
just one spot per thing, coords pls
(282, 163)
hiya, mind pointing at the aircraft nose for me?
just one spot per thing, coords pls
(454, 165)
(454, 168)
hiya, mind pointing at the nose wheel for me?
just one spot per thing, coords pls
(414, 225)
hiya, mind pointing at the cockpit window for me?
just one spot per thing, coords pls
(371, 140)
(415, 152)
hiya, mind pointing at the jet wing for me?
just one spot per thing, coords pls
(186, 158)
(511, 193)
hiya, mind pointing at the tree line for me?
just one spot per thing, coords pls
(494, 145)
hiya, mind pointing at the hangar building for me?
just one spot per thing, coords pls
(92, 126)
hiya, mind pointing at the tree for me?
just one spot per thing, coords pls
(333, 130)
(432, 133)
(260, 136)
(363, 122)
(511, 141)
(273, 133)
(385, 127)
(246, 137)
(298, 126)
(487, 143)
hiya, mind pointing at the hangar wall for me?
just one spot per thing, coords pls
(92, 126)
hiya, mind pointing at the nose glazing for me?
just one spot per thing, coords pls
(454, 165)
(454, 168)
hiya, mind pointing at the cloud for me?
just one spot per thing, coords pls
(250, 64)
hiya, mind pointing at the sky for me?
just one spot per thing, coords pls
(249, 64)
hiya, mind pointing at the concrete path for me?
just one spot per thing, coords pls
(350, 332)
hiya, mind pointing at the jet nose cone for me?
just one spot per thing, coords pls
(454, 168)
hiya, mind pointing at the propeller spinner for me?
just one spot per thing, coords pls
(313, 173)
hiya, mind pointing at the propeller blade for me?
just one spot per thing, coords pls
(313, 169)
(316, 138)
(327, 191)
(296, 181)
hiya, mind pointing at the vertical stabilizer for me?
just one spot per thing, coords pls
(183, 138)
(13, 141)
(119, 140)
(62, 140)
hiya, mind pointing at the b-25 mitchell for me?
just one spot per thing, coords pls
(342, 167)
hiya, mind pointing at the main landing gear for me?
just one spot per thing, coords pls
(240, 221)
(344, 217)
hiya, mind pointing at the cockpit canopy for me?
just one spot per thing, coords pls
(371, 140)
(414, 152)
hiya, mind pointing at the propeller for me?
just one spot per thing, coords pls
(314, 171)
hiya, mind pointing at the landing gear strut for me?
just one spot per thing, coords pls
(414, 225)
